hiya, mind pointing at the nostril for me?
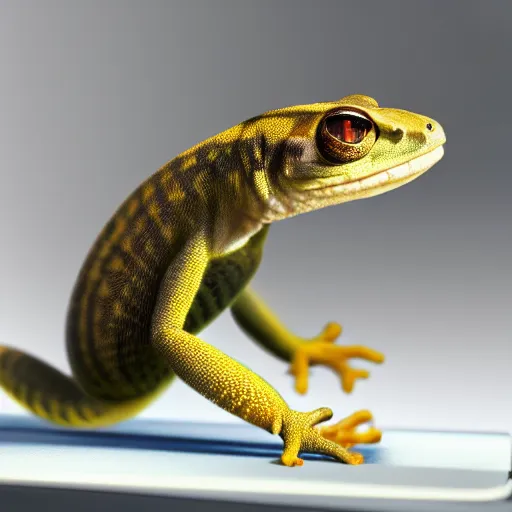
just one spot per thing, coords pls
(429, 127)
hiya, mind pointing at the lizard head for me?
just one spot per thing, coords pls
(328, 153)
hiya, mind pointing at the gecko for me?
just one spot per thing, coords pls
(184, 246)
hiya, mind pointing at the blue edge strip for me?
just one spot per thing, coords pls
(27, 431)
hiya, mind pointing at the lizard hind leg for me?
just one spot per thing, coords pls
(56, 397)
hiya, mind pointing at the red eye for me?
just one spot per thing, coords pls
(348, 128)
(345, 136)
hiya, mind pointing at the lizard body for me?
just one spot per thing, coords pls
(184, 246)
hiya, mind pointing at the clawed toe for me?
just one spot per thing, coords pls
(290, 460)
(344, 432)
(349, 376)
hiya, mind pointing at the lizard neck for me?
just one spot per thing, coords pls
(218, 187)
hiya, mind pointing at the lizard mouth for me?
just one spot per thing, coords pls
(305, 200)
(389, 178)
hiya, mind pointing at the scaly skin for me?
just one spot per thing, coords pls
(184, 246)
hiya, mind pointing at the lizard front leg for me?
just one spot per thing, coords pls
(223, 380)
(261, 324)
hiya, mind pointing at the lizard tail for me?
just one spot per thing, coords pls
(56, 397)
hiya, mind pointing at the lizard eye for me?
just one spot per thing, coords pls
(345, 136)
(348, 128)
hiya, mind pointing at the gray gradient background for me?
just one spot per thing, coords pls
(95, 96)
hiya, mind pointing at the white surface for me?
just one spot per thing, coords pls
(406, 465)
(206, 475)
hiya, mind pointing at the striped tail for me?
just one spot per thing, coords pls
(56, 397)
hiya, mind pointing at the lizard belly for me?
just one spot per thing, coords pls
(224, 279)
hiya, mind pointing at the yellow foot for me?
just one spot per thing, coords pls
(300, 435)
(344, 432)
(321, 350)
